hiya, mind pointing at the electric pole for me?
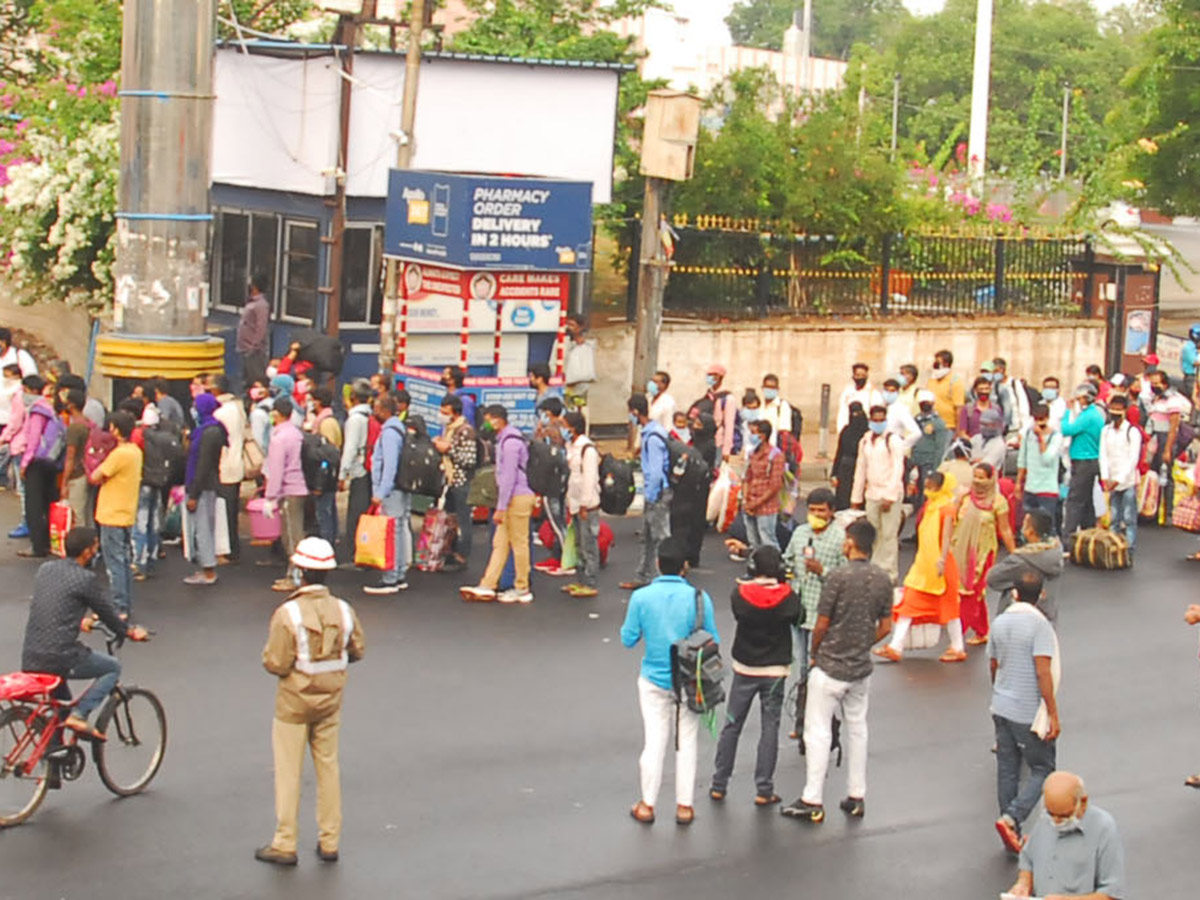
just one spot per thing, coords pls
(980, 88)
(895, 113)
(806, 49)
(1066, 118)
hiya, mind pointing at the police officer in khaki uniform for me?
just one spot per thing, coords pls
(314, 637)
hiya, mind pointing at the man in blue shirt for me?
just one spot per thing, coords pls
(395, 503)
(1082, 424)
(656, 517)
(660, 614)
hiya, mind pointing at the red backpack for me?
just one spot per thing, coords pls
(99, 444)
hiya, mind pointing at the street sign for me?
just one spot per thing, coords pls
(489, 223)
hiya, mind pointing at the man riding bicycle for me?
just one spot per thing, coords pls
(66, 595)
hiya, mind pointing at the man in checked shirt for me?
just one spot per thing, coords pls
(813, 552)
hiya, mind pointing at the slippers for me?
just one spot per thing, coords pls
(717, 795)
(760, 800)
(684, 815)
(83, 730)
(1193, 781)
(642, 813)
(1192, 557)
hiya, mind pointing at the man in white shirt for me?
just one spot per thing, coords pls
(858, 390)
(1120, 451)
(583, 503)
(774, 408)
(879, 488)
(1054, 402)
(10, 354)
(900, 421)
(662, 404)
(232, 469)
(1014, 398)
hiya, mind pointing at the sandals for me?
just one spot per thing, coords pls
(1193, 557)
(953, 656)
(717, 795)
(771, 800)
(1193, 781)
(684, 815)
(83, 730)
(977, 640)
(642, 813)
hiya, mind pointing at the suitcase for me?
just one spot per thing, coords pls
(437, 538)
(1099, 548)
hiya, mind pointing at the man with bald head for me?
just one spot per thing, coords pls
(1074, 850)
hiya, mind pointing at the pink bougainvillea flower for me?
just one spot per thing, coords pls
(22, 126)
(7, 101)
(960, 152)
(6, 147)
(107, 88)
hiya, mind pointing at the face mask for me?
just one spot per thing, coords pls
(905, 381)
(1158, 391)
(1116, 418)
(685, 435)
(710, 380)
(859, 383)
(652, 388)
(755, 440)
(1050, 394)
(770, 393)
(1067, 825)
(487, 427)
(926, 409)
(566, 434)
(939, 372)
(889, 397)
(750, 414)
(985, 398)
(989, 433)
(544, 418)
(444, 418)
(816, 523)
(258, 393)
(633, 419)
(878, 427)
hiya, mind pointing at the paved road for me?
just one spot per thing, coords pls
(490, 751)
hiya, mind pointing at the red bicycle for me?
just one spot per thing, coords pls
(37, 751)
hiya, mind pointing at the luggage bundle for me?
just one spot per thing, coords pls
(1099, 548)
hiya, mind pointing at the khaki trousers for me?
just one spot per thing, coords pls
(288, 741)
(512, 534)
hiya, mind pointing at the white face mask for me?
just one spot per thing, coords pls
(1068, 825)
(939, 372)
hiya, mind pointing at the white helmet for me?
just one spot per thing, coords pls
(314, 553)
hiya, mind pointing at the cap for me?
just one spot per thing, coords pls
(1118, 380)
(150, 415)
(716, 369)
(988, 366)
(1087, 389)
(314, 553)
(1150, 359)
(926, 397)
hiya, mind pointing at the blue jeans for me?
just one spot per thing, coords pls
(656, 528)
(115, 548)
(146, 528)
(327, 524)
(1015, 744)
(760, 531)
(1048, 505)
(398, 505)
(1125, 514)
(105, 669)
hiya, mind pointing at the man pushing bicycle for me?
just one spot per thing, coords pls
(67, 593)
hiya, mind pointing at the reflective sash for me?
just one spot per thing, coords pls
(304, 661)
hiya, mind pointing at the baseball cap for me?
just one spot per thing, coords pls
(314, 553)
(988, 366)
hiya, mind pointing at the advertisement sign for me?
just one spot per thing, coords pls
(514, 394)
(435, 294)
(489, 223)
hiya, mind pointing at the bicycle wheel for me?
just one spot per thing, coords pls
(21, 792)
(135, 725)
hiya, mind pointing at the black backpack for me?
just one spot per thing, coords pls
(686, 468)
(616, 485)
(164, 461)
(321, 462)
(325, 352)
(420, 470)
(697, 670)
(797, 421)
(547, 469)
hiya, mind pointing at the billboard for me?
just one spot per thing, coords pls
(486, 223)
(439, 299)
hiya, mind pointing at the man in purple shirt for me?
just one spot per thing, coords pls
(514, 507)
(286, 488)
(395, 503)
(253, 336)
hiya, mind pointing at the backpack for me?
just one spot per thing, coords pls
(686, 468)
(324, 351)
(547, 469)
(420, 470)
(797, 422)
(53, 443)
(163, 455)
(321, 462)
(697, 671)
(616, 485)
(99, 444)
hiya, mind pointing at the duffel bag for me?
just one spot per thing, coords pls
(1099, 548)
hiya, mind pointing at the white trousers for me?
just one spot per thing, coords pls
(824, 696)
(658, 716)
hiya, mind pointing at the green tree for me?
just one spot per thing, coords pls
(837, 24)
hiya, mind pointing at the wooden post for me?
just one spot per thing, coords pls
(347, 33)
(651, 285)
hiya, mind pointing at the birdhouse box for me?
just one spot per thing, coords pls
(669, 139)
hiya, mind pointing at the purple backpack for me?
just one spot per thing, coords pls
(53, 443)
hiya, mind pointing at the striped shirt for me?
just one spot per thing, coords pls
(1015, 640)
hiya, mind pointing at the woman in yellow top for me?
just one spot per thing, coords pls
(931, 586)
(983, 524)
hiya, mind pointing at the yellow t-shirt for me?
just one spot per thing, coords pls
(949, 395)
(117, 502)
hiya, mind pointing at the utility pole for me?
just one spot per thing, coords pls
(347, 35)
(980, 89)
(806, 49)
(408, 116)
(895, 113)
(1066, 118)
(652, 279)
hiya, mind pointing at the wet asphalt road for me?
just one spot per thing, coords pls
(491, 751)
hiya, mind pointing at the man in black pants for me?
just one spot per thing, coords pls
(689, 510)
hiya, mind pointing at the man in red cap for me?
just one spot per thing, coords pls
(721, 405)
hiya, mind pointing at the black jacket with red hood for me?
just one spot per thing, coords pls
(765, 614)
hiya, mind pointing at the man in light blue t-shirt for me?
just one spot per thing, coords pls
(1022, 650)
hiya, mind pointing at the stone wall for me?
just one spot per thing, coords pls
(807, 354)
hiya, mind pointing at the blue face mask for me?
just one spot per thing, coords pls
(544, 418)
(652, 388)
(751, 415)
(889, 397)
(710, 380)
(878, 427)
(633, 418)
(685, 435)
(566, 433)
(770, 393)
(1050, 394)
(755, 439)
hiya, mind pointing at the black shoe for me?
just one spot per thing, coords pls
(853, 806)
(809, 812)
(269, 854)
(326, 855)
(383, 589)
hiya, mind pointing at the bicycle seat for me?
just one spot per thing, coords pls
(27, 685)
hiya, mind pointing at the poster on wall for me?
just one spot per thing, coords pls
(435, 296)
(489, 223)
(1138, 323)
(514, 394)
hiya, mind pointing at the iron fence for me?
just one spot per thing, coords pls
(744, 272)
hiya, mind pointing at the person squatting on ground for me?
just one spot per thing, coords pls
(660, 614)
(313, 638)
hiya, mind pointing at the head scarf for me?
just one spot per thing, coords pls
(942, 495)
(283, 386)
(855, 429)
(975, 538)
(704, 439)
(206, 404)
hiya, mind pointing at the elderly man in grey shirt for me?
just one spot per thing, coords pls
(1074, 850)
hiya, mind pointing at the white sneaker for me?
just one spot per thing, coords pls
(477, 594)
(514, 596)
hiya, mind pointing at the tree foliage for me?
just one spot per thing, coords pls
(837, 26)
